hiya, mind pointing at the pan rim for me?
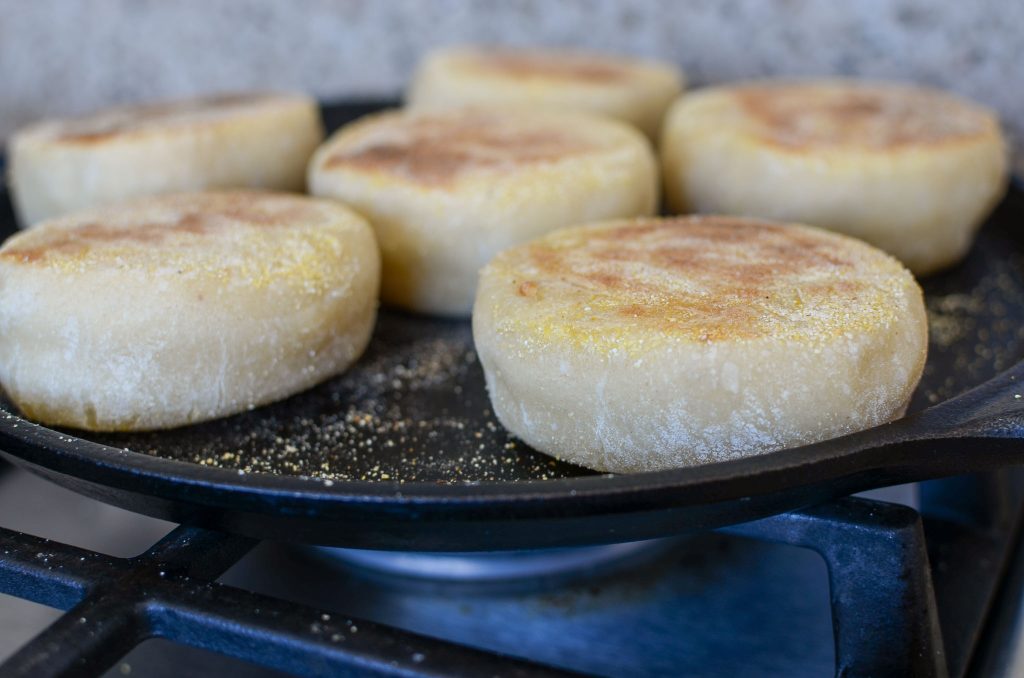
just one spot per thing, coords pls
(51, 449)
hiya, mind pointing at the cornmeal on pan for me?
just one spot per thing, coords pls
(661, 343)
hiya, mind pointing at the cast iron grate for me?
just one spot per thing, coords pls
(886, 614)
(169, 592)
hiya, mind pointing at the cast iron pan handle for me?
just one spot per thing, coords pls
(993, 410)
(979, 430)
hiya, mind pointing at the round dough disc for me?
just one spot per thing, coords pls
(229, 141)
(632, 90)
(662, 343)
(447, 190)
(910, 170)
(177, 309)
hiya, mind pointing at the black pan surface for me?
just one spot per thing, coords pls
(403, 451)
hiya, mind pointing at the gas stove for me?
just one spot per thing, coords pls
(931, 585)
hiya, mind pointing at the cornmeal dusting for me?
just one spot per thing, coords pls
(414, 408)
(696, 279)
(858, 115)
(565, 66)
(437, 149)
(154, 118)
(246, 238)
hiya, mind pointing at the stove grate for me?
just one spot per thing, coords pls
(114, 604)
(889, 616)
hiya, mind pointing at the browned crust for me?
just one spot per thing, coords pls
(206, 215)
(103, 127)
(804, 115)
(706, 278)
(438, 149)
(553, 65)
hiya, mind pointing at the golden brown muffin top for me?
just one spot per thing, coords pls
(249, 235)
(148, 118)
(548, 64)
(872, 115)
(703, 279)
(438, 148)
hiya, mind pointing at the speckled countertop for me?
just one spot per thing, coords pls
(69, 56)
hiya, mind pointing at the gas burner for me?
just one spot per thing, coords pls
(498, 566)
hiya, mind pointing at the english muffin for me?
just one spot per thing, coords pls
(662, 343)
(446, 190)
(632, 90)
(908, 169)
(231, 141)
(176, 309)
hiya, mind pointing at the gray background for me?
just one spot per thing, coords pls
(70, 56)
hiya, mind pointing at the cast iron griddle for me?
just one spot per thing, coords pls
(403, 451)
